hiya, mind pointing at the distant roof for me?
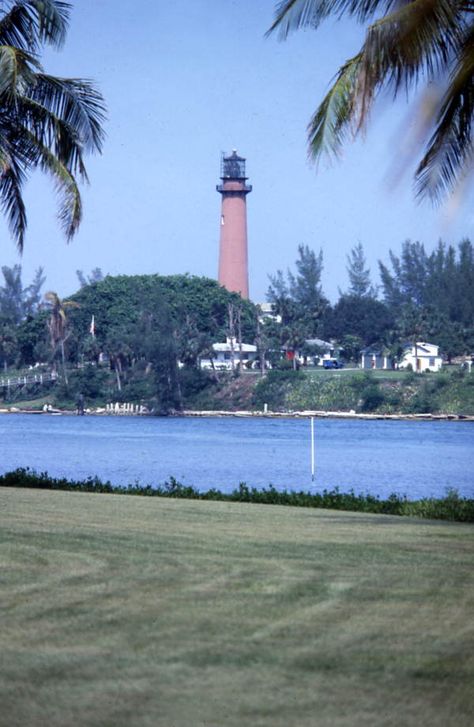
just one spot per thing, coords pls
(421, 346)
(227, 347)
(318, 342)
(246, 348)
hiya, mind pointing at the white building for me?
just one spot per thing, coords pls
(266, 313)
(422, 357)
(375, 358)
(326, 351)
(227, 355)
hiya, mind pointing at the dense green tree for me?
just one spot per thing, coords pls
(147, 323)
(408, 280)
(279, 296)
(8, 344)
(305, 286)
(47, 123)
(360, 284)
(298, 297)
(351, 346)
(12, 295)
(120, 300)
(58, 327)
(33, 340)
(432, 293)
(364, 317)
(16, 301)
(95, 276)
(405, 44)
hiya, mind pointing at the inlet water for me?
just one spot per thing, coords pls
(419, 459)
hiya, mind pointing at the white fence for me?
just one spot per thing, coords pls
(6, 382)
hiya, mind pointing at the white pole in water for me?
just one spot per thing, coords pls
(312, 449)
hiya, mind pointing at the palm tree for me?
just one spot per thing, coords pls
(57, 325)
(429, 41)
(46, 122)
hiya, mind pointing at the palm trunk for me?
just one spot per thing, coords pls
(231, 335)
(239, 331)
(63, 359)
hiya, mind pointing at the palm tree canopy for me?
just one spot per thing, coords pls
(57, 323)
(46, 122)
(420, 41)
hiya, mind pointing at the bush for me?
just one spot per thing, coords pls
(451, 507)
(193, 381)
(89, 381)
(273, 389)
(371, 398)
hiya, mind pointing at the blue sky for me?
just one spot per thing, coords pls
(186, 80)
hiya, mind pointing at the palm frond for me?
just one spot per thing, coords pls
(330, 124)
(70, 205)
(29, 23)
(291, 15)
(77, 103)
(418, 38)
(450, 149)
(52, 132)
(11, 183)
(17, 68)
(46, 123)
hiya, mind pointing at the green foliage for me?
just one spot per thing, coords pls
(18, 302)
(432, 295)
(371, 398)
(193, 382)
(275, 387)
(323, 393)
(359, 274)
(298, 298)
(451, 507)
(402, 47)
(48, 123)
(369, 392)
(118, 302)
(364, 317)
(90, 381)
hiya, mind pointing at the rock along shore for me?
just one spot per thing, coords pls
(327, 415)
(254, 414)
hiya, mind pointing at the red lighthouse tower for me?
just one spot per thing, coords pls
(233, 257)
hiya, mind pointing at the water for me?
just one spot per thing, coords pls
(418, 459)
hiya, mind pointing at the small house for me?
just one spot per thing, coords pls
(421, 356)
(376, 358)
(320, 351)
(227, 356)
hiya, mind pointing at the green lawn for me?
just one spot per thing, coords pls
(126, 611)
(351, 370)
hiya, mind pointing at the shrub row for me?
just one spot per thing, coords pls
(451, 507)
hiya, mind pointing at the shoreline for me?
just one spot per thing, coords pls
(320, 414)
(251, 414)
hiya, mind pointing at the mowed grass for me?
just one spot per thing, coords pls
(126, 611)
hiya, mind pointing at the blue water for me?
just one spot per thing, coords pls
(418, 459)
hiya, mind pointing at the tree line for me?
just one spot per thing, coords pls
(129, 338)
(142, 337)
(422, 296)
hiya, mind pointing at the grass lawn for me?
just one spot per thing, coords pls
(126, 611)
(351, 370)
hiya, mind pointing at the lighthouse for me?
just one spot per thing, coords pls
(233, 255)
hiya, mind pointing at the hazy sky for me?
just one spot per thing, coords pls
(186, 80)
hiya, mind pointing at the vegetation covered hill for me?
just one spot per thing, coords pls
(382, 392)
(139, 339)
